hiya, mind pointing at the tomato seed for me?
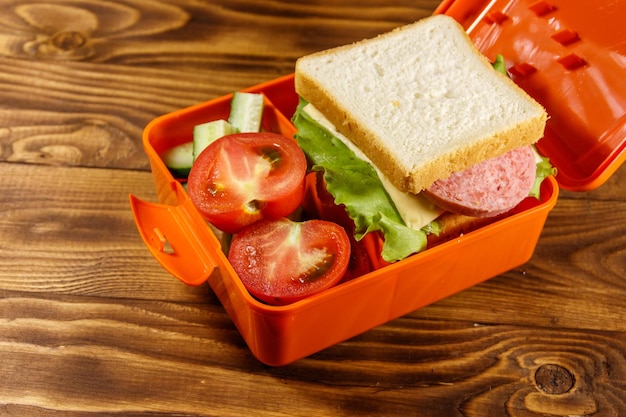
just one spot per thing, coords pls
(272, 155)
(318, 270)
(254, 206)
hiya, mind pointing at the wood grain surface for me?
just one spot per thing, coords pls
(90, 324)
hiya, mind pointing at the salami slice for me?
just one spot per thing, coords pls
(492, 187)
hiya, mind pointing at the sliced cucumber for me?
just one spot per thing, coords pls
(246, 111)
(179, 159)
(207, 133)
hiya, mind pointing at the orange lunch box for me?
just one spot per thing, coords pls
(574, 70)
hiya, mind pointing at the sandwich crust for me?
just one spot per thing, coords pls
(420, 101)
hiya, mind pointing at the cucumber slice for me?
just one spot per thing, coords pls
(246, 111)
(206, 133)
(179, 159)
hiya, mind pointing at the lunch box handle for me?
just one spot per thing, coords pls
(178, 238)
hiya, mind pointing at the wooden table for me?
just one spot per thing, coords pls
(90, 324)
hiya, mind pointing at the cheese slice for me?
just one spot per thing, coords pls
(415, 209)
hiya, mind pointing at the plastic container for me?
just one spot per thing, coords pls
(185, 245)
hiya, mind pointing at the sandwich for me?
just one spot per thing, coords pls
(414, 130)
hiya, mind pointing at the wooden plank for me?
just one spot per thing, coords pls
(88, 355)
(70, 231)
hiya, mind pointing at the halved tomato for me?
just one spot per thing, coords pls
(242, 178)
(282, 261)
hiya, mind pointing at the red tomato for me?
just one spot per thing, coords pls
(245, 177)
(359, 260)
(282, 261)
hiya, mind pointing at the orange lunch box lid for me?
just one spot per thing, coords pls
(570, 55)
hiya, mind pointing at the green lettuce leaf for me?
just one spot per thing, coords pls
(499, 65)
(544, 169)
(355, 184)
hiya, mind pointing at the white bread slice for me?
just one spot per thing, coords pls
(420, 101)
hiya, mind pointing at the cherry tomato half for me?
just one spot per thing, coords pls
(282, 261)
(242, 178)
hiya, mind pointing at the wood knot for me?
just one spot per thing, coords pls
(554, 379)
(68, 41)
